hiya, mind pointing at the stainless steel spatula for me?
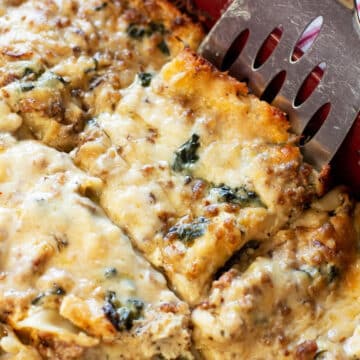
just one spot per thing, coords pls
(311, 43)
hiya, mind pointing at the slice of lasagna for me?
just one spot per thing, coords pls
(194, 167)
(292, 298)
(62, 62)
(71, 285)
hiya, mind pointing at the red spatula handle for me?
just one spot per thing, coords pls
(346, 165)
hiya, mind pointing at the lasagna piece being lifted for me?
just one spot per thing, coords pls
(194, 167)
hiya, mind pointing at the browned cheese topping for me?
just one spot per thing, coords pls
(150, 207)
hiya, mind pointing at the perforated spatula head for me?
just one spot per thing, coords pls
(314, 42)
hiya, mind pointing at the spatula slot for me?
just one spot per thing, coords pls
(313, 32)
(310, 84)
(307, 38)
(274, 87)
(315, 123)
(235, 49)
(268, 46)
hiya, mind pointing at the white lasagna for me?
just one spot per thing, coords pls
(150, 207)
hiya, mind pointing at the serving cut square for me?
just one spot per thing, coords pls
(194, 167)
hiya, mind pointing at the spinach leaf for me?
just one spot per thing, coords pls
(101, 7)
(122, 316)
(110, 272)
(163, 47)
(136, 31)
(155, 27)
(330, 272)
(333, 272)
(186, 154)
(55, 292)
(189, 231)
(145, 79)
(28, 71)
(239, 195)
(27, 86)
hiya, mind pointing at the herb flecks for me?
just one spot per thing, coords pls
(330, 272)
(61, 241)
(333, 272)
(101, 7)
(31, 71)
(61, 79)
(188, 232)
(55, 292)
(28, 71)
(239, 196)
(27, 86)
(136, 31)
(110, 272)
(122, 316)
(145, 79)
(139, 31)
(186, 154)
(94, 68)
(163, 47)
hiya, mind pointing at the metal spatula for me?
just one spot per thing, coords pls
(312, 42)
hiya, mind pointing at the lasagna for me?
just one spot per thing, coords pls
(150, 207)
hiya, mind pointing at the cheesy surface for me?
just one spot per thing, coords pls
(62, 62)
(293, 300)
(188, 216)
(150, 207)
(66, 269)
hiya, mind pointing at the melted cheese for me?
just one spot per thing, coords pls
(179, 164)
(292, 302)
(95, 48)
(133, 151)
(55, 237)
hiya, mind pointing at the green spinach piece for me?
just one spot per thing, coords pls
(332, 272)
(155, 27)
(56, 291)
(239, 196)
(145, 79)
(188, 232)
(122, 316)
(101, 7)
(27, 86)
(110, 272)
(186, 154)
(163, 47)
(136, 31)
(28, 71)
